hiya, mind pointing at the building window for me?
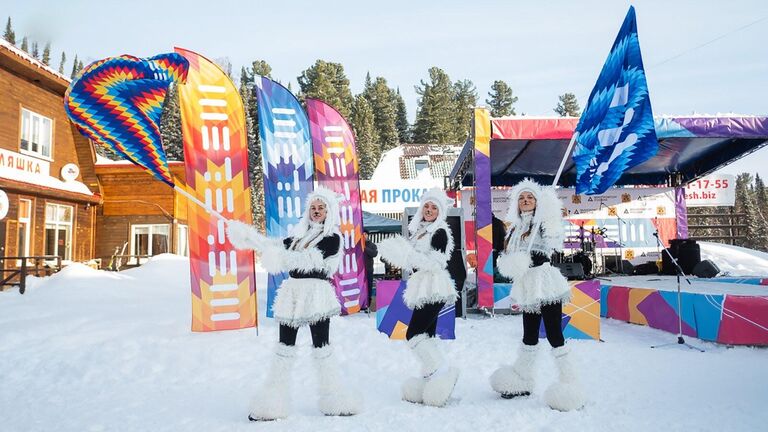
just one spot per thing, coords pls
(421, 165)
(36, 134)
(25, 221)
(149, 240)
(182, 240)
(58, 230)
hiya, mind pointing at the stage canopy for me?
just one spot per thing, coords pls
(689, 148)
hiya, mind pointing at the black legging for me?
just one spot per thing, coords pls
(424, 320)
(553, 317)
(319, 331)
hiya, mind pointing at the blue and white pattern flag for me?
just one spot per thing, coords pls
(616, 130)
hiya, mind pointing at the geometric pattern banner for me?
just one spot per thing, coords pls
(481, 136)
(722, 318)
(117, 102)
(216, 161)
(336, 168)
(393, 316)
(286, 158)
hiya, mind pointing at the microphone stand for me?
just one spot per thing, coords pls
(680, 340)
(620, 263)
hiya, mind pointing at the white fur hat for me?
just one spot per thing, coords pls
(548, 205)
(332, 219)
(440, 199)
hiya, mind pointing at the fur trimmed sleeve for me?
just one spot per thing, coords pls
(244, 236)
(395, 250)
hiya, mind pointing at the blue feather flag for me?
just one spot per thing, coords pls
(616, 130)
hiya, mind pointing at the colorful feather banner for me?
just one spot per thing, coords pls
(117, 102)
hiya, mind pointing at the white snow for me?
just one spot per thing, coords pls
(735, 260)
(88, 350)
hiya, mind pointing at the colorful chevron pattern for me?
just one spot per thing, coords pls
(117, 102)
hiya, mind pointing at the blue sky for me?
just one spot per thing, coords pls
(697, 60)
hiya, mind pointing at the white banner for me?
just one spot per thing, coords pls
(16, 166)
(378, 197)
(711, 191)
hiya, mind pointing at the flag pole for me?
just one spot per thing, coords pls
(200, 203)
(565, 158)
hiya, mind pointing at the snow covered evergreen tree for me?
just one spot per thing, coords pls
(368, 149)
(170, 126)
(326, 81)
(403, 127)
(9, 35)
(47, 54)
(61, 63)
(436, 110)
(464, 99)
(501, 99)
(379, 97)
(568, 106)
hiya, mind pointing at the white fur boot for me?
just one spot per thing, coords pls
(271, 401)
(516, 380)
(412, 389)
(439, 378)
(566, 394)
(335, 398)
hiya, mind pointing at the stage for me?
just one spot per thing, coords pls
(725, 310)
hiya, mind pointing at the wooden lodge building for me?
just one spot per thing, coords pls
(55, 199)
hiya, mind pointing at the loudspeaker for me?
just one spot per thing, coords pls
(572, 271)
(646, 268)
(611, 263)
(687, 252)
(706, 269)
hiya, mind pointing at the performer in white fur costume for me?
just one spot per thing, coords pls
(311, 256)
(426, 253)
(541, 290)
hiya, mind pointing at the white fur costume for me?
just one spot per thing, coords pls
(534, 287)
(311, 256)
(544, 284)
(300, 300)
(431, 283)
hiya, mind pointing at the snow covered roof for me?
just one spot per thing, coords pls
(35, 65)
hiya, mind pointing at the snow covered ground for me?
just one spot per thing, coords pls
(88, 350)
(735, 260)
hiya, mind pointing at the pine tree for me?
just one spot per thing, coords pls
(464, 99)
(326, 81)
(170, 126)
(501, 100)
(47, 54)
(761, 210)
(368, 149)
(9, 35)
(74, 68)
(25, 45)
(403, 127)
(261, 67)
(568, 106)
(379, 97)
(61, 63)
(35, 51)
(746, 204)
(255, 169)
(436, 109)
